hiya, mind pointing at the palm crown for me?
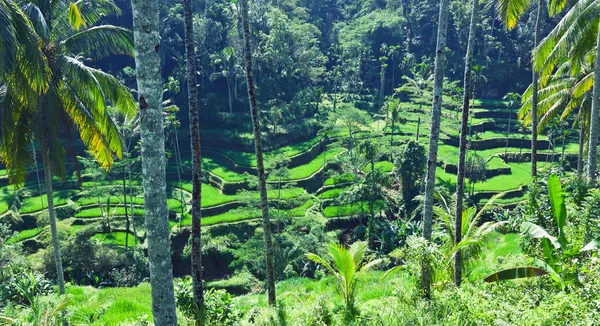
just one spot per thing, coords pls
(68, 91)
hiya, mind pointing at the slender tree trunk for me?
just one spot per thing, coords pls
(127, 225)
(37, 173)
(593, 143)
(60, 277)
(230, 96)
(147, 48)
(382, 85)
(580, 151)
(179, 172)
(460, 181)
(260, 168)
(392, 133)
(534, 95)
(434, 135)
(190, 53)
(418, 127)
(562, 155)
(131, 207)
(508, 130)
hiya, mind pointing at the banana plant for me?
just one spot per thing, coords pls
(557, 250)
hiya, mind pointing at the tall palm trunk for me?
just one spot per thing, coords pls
(127, 224)
(60, 278)
(580, 151)
(593, 143)
(460, 181)
(434, 136)
(147, 61)
(260, 168)
(190, 53)
(534, 95)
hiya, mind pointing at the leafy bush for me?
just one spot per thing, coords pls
(218, 304)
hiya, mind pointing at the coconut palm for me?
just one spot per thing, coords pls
(147, 58)
(510, 11)
(434, 136)
(348, 265)
(460, 181)
(260, 167)
(190, 53)
(393, 108)
(76, 94)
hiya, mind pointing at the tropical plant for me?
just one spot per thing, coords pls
(348, 265)
(393, 109)
(510, 11)
(227, 63)
(473, 232)
(260, 167)
(147, 42)
(77, 94)
(434, 136)
(559, 254)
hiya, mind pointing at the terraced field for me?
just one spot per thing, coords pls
(229, 196)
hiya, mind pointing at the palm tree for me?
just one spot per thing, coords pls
(260, 167)
(76, 94)
(393, 107)
(434, 136)
(509, 12)
(190, 53)
(228, 71)
(147, 59)
(473, 232)
(460, 181)
(348, 265)
(512, 98)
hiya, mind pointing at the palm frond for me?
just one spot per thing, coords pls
(100, 42)
(509, 11)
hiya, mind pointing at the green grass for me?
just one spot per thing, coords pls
(383, 166)
(126, 305)
(306, 170)
(24, 235)
(115, 238)
(114, 200)
(350, 209)
(7, 197)
(344, 178)
(249, 159)
(114, 210)
(34, 204)
(242, 214)
(218, 168)
(211, 196)
(332, 193)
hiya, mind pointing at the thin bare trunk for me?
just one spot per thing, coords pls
(580, 151)
(190, 53)
(434, 135)
(127, 225)
(60, 278)
(460, 181)
(260, 168)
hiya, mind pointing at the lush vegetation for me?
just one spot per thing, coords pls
(331, 166)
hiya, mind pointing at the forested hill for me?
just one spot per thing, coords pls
(301, 45)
